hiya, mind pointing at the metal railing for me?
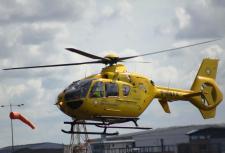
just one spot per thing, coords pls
(146, 149)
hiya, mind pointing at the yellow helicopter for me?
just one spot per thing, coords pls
(117, 96)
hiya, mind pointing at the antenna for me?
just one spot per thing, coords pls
(85, 73)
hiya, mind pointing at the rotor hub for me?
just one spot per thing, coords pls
(112, 56)
(117, 68)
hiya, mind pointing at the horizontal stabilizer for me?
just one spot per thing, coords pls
(164, 105)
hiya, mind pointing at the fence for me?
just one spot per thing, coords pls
(147, 149)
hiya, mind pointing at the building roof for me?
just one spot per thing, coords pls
(115, 141)
(161, 131)
(213, 132)
(47, 146)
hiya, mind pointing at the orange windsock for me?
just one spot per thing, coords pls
(17, 115)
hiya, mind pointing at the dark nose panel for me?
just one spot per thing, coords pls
(70, 96)
(74, 104)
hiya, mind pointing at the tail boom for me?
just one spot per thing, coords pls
(166, 95)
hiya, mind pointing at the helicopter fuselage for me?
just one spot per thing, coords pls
(116, 93)
(113, 92)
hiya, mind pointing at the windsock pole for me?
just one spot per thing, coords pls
(12, 134)
(12, 130)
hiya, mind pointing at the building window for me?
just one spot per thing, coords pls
(201, 137)
(111, 89)
(194, 137)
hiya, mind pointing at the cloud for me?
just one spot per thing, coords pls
(183, 18)
(125, 8)
(214, 51)
(36, 33)
(119, 10)
(25, 11)
(217, 3)
(201, 21)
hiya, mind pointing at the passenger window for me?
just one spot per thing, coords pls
(97, 90)
(111, 89)
(126, 90)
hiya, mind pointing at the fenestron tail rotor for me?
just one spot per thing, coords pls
(109, 59)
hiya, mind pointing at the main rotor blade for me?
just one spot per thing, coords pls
(167, 50)
(85, 54)
(136, 62)
(55, 65)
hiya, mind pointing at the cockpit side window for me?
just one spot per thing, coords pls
(111, 89)
(126, 90)
(97, 90)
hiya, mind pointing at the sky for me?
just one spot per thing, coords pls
(37, 32)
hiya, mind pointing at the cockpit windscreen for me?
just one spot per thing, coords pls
(77, 89)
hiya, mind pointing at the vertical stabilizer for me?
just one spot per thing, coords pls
(205, 83)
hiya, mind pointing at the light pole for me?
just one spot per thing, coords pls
(10, 106)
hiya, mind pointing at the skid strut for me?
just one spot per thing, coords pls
(104, 125)
(87, 123)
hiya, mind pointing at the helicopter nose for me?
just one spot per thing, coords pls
(72, 101)
(60, 104)
(74, 104)
(67, 100)
(60, 101)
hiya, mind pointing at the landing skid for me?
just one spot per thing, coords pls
(105, 124)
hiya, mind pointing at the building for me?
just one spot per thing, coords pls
(35, 148)
(207, 140)
(183, 139)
